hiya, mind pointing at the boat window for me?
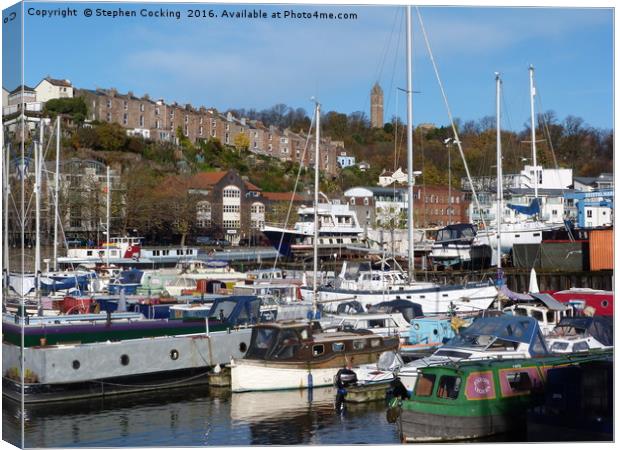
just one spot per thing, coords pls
(581, 346)
(318, 350)
(452, 354)
(559, 346)
(338, 346)
(424, 385)
(222, 310)
(262, 340)
(520, 312)
(550, 317)
(359, 345)
(519, 381)
(288, 343)
(538, 315)
(377, 323)
(89, 253)
(375, 342)
(449, 387)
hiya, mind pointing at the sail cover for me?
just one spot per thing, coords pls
(532, 209)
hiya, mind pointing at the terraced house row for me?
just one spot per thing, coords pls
(157, 120)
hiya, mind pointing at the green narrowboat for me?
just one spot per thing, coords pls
(475, 399)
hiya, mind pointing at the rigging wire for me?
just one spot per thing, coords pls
(449, 111)
(290, 205)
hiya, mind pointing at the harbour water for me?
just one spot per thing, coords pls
(200, 417)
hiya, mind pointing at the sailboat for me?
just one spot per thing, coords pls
(523, 231)
(432, 297)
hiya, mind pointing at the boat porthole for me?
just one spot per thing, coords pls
(416, 326)
(604, 303)
(243, 347)
(174, 354)
(124, 360)
(76, 364)
(435, 332)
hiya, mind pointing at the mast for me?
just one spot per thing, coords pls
(7, 191)
(316, 210)
(498, 83)
(56, 190)
(38, 153)
(533, 129)
(410, 223)
(107, 215)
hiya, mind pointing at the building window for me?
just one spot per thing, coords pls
(125, 104)
(141, 107)
(227, 127)
(109, 117)
(157, 124)
(109, 103)
(200, 120)
(186, 118)
(231, 208)
(232, 224)
(157, 111)
(352, 200)
(365, 201)
(200, 130)
(141, 121)
(589, 213)
(258, 208)
(124, 118)
(213, 132)
(231, 192)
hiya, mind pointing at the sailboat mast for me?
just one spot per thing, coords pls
(107, 215)
(38, 160)
(317, 155)
(533, 128)
(498, 83)
(56, 190)
(410, 252)
(7, 191)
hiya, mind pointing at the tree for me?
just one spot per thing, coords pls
(242, 141)
(73, 107)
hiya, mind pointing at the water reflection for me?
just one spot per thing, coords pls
(200, 416)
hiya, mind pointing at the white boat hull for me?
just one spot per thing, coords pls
(251, 375)
(433, 299)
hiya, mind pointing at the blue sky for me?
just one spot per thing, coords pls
(257, 63)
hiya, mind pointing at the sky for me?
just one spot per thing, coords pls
(257, 63)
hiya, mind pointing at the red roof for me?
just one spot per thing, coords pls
(251, 187)
(206, 179)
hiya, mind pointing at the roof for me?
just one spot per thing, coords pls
(251, 187)
(282, 196)
(56, 82)
(204, 180)
(20, 88)
(207, 179)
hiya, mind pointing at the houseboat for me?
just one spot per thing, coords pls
(299, 355)
(475, 399)
(86, 356)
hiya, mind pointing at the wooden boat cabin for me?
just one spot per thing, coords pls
(306, 343)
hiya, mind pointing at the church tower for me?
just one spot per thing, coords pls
(376, 106)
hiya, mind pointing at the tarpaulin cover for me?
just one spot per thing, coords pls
(599, 327)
